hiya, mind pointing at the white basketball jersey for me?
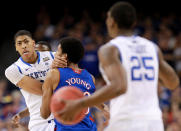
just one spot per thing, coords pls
(139, 58)
(37, 71)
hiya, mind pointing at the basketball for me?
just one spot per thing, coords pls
(66, 93)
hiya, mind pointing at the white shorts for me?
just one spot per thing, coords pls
(44, 127)
(136, 125)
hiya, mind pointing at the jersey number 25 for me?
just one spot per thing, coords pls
(142, 63)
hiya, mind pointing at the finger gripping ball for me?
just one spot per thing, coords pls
(66, 93)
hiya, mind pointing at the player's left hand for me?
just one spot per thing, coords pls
(71, 109)
(15, 120)
(59, 61)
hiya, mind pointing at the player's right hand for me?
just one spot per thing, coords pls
(15, 120)
(59, 61)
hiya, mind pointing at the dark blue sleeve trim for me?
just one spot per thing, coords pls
(52, 55)
(19, 69)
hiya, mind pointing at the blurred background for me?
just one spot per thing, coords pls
(50, 20)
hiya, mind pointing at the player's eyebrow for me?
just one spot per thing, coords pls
(22, 40)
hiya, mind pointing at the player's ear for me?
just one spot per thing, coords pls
(112, 22)
(33, 43)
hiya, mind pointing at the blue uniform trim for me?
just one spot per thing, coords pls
(19, 69)
(25, 62)
(52, 55)
(38, 53)
(42, 81)
(49, 121)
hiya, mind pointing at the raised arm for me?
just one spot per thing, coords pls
(166, 73)
(50, 83)
(25, 82)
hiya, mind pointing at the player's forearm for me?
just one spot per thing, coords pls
(45, 112)
(24, 113)
(102, 95)
(47, 89)
(168, 76)
(45, 108)
(30, 85)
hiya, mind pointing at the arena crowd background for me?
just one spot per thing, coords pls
(51, 20)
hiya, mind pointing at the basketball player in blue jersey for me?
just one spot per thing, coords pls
(132, 66)
(70, 76)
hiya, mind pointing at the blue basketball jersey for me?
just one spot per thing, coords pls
(83, 81)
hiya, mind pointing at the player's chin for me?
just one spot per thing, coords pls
(26, 56)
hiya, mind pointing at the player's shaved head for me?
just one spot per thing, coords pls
(124, 14)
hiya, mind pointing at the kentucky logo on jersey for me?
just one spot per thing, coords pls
(46, 59)
(39, 74)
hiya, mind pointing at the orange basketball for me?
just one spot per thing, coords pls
(66, 93)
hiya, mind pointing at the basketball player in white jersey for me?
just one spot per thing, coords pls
(131, 65)
(28, 73)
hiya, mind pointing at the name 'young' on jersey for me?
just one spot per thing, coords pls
(83, 81)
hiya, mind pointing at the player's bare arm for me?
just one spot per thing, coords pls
(25, 82)
(48, 87)
(102, 107)
(166, 73)
(31, 85)
(113, 69)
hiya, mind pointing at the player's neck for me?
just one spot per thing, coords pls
(73, 66)
(123, 32)
(32, 59)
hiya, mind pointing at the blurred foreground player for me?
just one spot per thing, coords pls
(131, 66)
(70, 76)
